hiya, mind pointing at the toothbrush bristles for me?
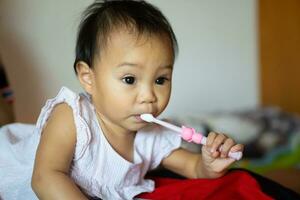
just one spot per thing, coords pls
(147, 117)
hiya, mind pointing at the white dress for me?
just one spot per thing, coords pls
(97, 168)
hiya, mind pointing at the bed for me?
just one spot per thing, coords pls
(270, 135)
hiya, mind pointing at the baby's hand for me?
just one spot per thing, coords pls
(215, 161)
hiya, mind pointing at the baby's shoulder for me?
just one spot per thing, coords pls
(61, 119)
(57, 115)
(62, 112)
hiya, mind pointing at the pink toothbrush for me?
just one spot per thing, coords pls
(188, 134)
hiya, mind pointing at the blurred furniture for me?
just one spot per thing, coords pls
(279, 50)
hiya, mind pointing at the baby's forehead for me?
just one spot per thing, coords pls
(131, 37)
(135, 49)
(132, 33)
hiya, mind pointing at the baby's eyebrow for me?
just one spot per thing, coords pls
(168, 66)
(128, 64)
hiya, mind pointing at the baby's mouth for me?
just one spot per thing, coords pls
(138, 118)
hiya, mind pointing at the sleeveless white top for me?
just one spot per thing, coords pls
(97, 168)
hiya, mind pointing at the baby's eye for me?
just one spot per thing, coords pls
(129, 80)
(161, 80)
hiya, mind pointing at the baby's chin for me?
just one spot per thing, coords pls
(137, 126)
(134, 123)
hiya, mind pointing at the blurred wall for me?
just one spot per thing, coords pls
(216, 68)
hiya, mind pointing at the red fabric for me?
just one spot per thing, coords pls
(234, 185)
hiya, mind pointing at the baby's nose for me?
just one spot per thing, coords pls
(147, 95)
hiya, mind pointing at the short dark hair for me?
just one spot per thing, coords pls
(101, 17)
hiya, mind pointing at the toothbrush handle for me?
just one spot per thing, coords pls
(190, 135)
(235, 155)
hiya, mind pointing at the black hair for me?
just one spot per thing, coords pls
(101, 17)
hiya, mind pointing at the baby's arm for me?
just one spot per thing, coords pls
(50, 179)
(209, 164)
(182, 162)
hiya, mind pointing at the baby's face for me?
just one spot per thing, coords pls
(133, 76)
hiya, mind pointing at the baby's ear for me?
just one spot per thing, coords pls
(85, 75)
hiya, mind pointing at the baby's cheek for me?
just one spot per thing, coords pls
(162, 106)
(163, 98)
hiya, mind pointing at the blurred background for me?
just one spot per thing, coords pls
(237, 70)
(217, 66)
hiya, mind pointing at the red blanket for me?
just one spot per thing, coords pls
(234, 185)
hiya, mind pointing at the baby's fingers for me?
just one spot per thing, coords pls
(226, 147)
(210, 139)
(237, 147)
(218, 141)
